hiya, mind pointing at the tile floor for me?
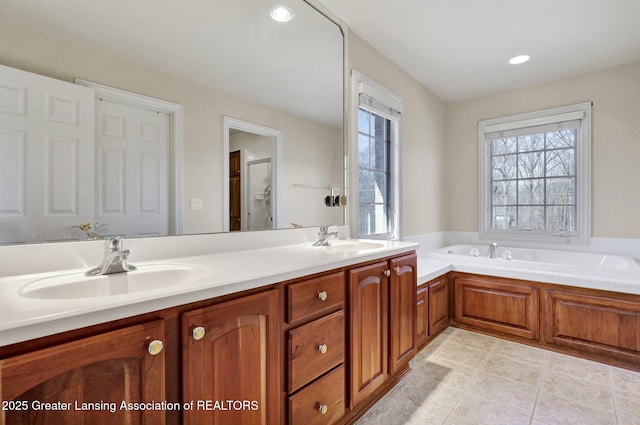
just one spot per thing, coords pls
(464, 378)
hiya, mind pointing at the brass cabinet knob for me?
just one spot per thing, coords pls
(387, 273)
(198, 333)
(323, 409)
(323, 348)
(322, 295)
(155, 347)
(397, 269)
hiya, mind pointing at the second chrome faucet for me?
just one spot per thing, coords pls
(323, 236)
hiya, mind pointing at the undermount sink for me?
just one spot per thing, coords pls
(353, 245)
(77, 285)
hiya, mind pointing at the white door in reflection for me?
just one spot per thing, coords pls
(132, 169)
(46, 158)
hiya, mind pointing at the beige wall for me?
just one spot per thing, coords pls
(615, 94)
(422, 138)
(312, 153)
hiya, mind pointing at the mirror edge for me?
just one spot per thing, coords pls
(346, 100)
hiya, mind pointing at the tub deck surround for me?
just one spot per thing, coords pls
(586, 270)
(227, 264)
(431, 268)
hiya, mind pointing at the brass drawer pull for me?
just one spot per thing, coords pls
(322, 295)
(323, 348)
(155, 347)
(198, 333)
(323, 409)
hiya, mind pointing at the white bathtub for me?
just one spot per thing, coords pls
(539, 259)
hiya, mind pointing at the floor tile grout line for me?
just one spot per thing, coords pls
(613, 394)
(476, 373)
(545, 369)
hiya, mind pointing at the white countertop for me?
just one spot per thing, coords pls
(22, 319)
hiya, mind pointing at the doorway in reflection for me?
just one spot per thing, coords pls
(252, 182)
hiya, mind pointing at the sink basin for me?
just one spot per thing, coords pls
(353, 245)
(77, 285)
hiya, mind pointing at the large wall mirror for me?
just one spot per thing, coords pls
(202, 67)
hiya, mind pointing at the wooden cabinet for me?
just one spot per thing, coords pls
(432, 310)
(402, 316)
(438, 305)
(497, 305)
(382, 316)
(231, 355)
(87, 380)
(299, 352)
(368, 329)
(604, 324)
(316, 350)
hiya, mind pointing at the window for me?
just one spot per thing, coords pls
(374, 177)
(535, 175)
(376, 153)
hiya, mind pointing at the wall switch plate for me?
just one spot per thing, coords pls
(197, 204)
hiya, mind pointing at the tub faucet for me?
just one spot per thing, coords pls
(114, 261)
(323, 236)
(492, 250)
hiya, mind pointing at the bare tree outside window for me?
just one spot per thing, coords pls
(533, 181)
(374, 141)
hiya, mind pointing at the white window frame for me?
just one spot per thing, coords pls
(582, 234)
(387, 99)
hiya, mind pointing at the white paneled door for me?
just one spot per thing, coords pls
(132, 169)
(47, 157)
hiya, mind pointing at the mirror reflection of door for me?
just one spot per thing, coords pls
(234, 191)
(250, 181)
(132, 153)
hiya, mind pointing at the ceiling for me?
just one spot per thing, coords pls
(228, 44)
(459, 48)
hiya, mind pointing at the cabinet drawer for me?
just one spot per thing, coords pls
(315, 348)
(325, 395)
(314, 296)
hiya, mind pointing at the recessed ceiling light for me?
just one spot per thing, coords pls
(517, 60)
(282, 14)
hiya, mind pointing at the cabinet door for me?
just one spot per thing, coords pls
(88, 380)
(438, 306)
(497, 305)
(368, 289)
(601, 324)
(402, 312)
(231, 362)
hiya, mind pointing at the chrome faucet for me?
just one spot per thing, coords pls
(114, 261)
(492, 250)
(323, 236)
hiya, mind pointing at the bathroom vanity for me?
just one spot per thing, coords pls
(317, 343)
